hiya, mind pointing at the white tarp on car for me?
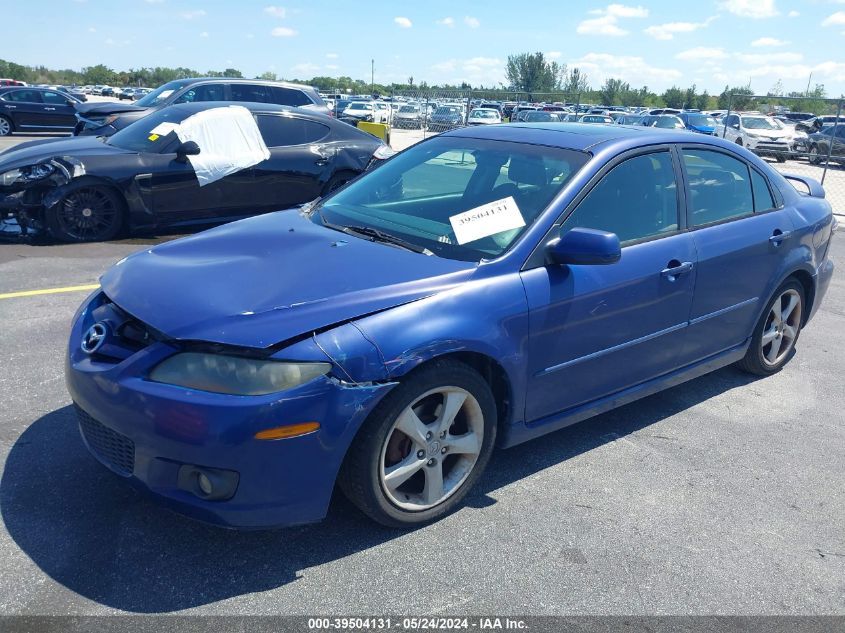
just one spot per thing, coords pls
(229, 141)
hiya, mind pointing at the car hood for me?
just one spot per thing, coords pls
(271, 278)
(107, 107)
(35, 151)
(769, 133)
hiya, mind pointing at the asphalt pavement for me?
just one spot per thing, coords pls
(720, 496)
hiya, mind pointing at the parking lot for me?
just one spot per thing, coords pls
(720, 496)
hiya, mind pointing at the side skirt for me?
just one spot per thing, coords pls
(521, 432)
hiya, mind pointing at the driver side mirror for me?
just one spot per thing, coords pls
(580, 246)
(189, 148)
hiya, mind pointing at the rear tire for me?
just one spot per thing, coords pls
(739, 142)
(781, 158)
(423, 447)
(777, 331)
(813, 155)
(7, 128)
(88, 213)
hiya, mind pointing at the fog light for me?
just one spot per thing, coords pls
(204, 484)
(210, 484)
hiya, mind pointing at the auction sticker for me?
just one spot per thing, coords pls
(487, 220)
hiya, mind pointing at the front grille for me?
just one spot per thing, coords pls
(113, 449)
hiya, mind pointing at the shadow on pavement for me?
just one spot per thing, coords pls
(94, 534)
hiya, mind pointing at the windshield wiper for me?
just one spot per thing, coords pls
(377, 235)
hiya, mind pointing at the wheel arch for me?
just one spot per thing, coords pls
(806, 280)
(54, 197)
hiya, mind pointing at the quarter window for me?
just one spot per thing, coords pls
(284, 131)
(250, 92)
(288, 97)
(637, 199)
(719, 185)
(762, 195)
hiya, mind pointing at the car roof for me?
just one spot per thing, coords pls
(269, 108)
(577, 136)
(243, 80)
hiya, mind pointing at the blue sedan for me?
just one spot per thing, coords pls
(483, 287)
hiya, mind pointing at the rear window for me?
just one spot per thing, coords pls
(285, 131)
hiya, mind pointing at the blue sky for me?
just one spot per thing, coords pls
(656, 43)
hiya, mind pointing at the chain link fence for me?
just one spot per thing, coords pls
(807, 138)
(417, 114)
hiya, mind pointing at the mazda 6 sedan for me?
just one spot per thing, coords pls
(483, 287)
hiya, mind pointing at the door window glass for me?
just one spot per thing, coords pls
(255, 93)
(284, 131)
(54, 98)
(288, 97)
(23, 96)
(207, 92)
(637, 199)
(719, 186)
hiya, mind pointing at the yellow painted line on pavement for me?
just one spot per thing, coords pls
(47, 291)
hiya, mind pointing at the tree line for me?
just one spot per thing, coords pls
(528, 75)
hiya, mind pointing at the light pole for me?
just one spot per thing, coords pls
(372, 76)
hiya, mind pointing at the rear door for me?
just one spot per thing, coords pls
(26, 109)
(300, 162)
(741, 234)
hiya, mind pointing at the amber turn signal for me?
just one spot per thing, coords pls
(290, 430)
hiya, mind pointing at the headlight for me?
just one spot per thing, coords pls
(235, 375)
(26, 174)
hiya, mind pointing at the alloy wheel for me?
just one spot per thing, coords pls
(431, 448)
(87, 214)
(781, 328)
(5, 126)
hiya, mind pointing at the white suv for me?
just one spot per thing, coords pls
(762, 134)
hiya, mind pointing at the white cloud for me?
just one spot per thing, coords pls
(304, 69)
(447, 21)
(405, 23)
(634, 70)
(276, 12)
(332, 55)
(793, 14)
(607, 22)
(190, 15)
(250, 36)
(154, 1)
(332, 66)
(91, 29)
(750, 8)
(283, 31)
(768, 41)
(667, 31)
(754, 59)
(204, 34)
(487, 71)
(471, 22)
(835, 19)
(109, 42)
(702, 53)
(554, 54)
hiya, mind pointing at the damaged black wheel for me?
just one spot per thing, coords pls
(87, 214)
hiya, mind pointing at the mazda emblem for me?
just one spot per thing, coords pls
(94, 338)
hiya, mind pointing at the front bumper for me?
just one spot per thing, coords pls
(823, 275)
(147, 432)
(769, 147)
(91, 127)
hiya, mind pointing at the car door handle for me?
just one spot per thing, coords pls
(11, 107)
(779, 236)
(322, 160)
(675, 269)
(49, 108)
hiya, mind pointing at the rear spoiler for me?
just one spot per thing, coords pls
(813, 186)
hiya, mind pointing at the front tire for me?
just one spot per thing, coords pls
(7, 128)
(423, 447)
(813, 155)
(777, 331)
(87, 214)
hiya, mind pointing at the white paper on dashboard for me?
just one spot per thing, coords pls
(487, 220)
(164, 128)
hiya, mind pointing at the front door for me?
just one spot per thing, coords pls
(59, 114)
(595, 330)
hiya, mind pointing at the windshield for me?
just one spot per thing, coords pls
(701, 120)
(150, 134)
(408, 108)
(160, 94)
(360, 106)
(444, 110)
(484, 114)
(760, 123)
(460, 198)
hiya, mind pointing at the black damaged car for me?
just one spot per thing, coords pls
(94, 188)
